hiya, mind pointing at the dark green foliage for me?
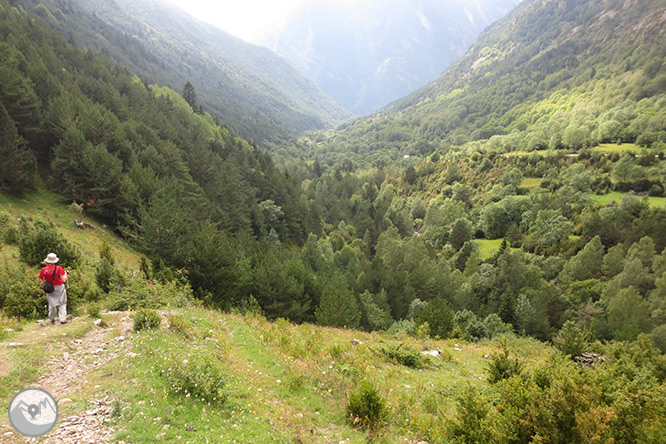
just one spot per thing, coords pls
(470, 424)
(366, 408)
(439, 316)
(190, 96)
(461, 232)
(17, 163)
(403, 356)
(146, 319)
(501, 366)
(37, 241)
(338, 306)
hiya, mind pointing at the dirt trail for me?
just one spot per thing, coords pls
(68, 372)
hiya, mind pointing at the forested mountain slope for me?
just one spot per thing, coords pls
(553, 73)
(134, 155)
(247, 87)
(367, 54)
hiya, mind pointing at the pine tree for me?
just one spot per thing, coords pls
(338, 306)
(190, 96)
(17, 163)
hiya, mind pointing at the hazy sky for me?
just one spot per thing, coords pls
(242, 18)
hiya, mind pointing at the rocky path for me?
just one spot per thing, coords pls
(68, 372)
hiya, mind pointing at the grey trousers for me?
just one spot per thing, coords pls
(58, 303)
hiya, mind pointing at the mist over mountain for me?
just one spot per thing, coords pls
(251, 89)
(365, 55)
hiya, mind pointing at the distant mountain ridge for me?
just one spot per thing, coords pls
(368, 54)
(551, 74)
(251, 89)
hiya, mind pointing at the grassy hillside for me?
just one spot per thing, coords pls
(48, 206)
(282, 383)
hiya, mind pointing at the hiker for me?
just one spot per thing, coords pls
(55, 274)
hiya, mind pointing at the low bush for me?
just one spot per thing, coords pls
(198, 377)
(20, 295)
(93, 310)
(178, 324)
(501, 366)
(366, 408)
(403, 356)
(146, 318)
(139, 293)
(36, 241)
(570, 340)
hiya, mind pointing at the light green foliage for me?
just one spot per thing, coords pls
(374, 317)
(549, 229)
(625, 170)
(178, 324)
(399, 354)
(628, 315)
(107, 275)
(570, 339)
(501, 366)
(587, 263)
(366, 408)
(145, 319)
(20, 295)
(470, 424)
(613, 261)
(198, 376)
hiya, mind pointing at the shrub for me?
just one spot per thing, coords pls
(198, 377)
(501, 366)
(20, 295)
(471, 422)
(93, 310)
(43, 238)
(366, 408)
(570, 340)
(138, 293)
(146, 318)
(178, 324)
(439, 317)
(405, 326)
(25, 300)
(403, 356)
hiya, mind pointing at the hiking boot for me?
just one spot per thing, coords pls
(63, 322)
(52, 321)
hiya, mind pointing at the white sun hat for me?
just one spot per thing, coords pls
(51, 258)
